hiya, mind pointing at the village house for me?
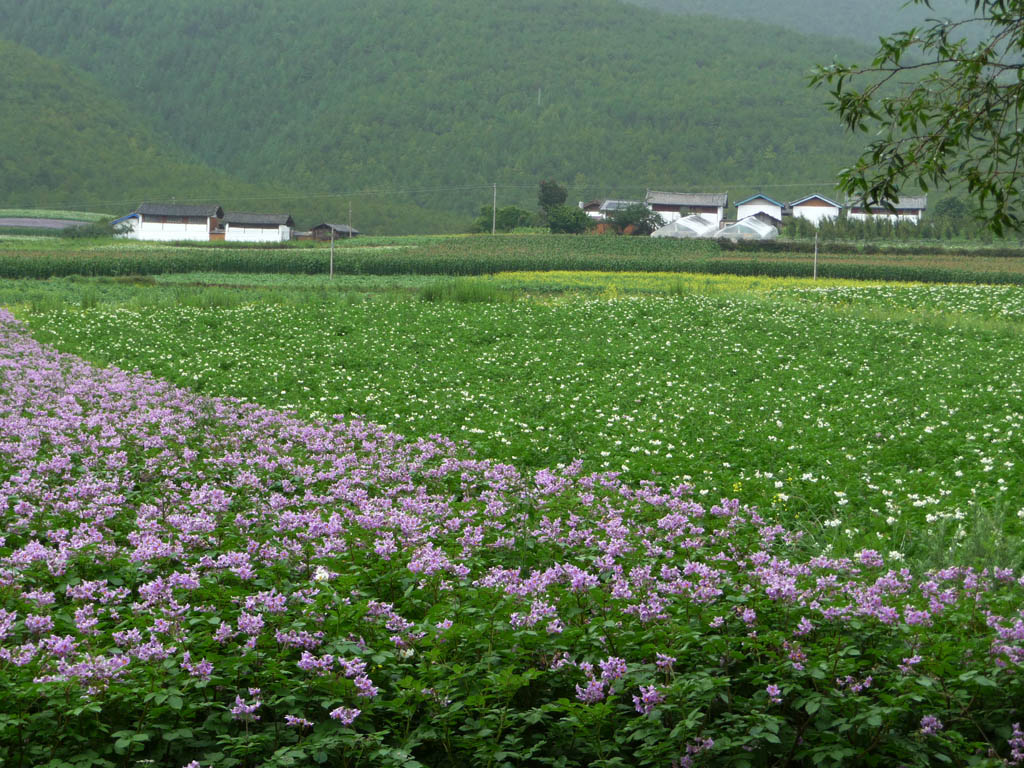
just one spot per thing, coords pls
(603, 209)
(904, 209)
(761, 206)
(815, 208)
(676, 205)
(325, 230)
(258, 227)
(170, 222)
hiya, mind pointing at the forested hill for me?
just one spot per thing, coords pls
(65, 142)
(863, 20)
(339, 96)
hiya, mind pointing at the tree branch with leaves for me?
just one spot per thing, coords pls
(943, 102)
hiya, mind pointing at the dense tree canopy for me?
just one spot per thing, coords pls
(339, 100)
(943, 111)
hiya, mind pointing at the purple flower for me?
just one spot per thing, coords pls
(648, 699)
(591, 693)
(664, 662)
(774, 693)
(345, 715)
(243, 711)
(612, 668)
(930, 725)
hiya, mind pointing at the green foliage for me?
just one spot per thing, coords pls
(482, 255)
(956, 122)
(344, 108)
(637, 218)
(863, 20)
(567, 220)
(505, 219)
(550, 194)
(633, 386)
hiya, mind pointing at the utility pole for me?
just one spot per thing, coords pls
(331, 274)
(350, 218)
(815, 255)
(494, 209)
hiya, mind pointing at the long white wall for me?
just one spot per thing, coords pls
(893, 218)
(257, 234)
(155, 230)
(815, 213)
(749, 209)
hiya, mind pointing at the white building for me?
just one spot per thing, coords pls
(815, 208)
(258, 227)
(605, 209)
(676, 205)
(904, 209)
(759, 204)
(156, 221)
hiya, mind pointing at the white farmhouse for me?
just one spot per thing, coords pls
(815, 208)
(904, 209)
(157, 221)
(258, 227)
(759, 204)
(676, 205)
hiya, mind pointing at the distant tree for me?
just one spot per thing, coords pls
(567, 220)
(941, 108)
(551, 193)
(505, 219)
(637, 216)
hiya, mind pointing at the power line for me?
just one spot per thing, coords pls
(385, 192)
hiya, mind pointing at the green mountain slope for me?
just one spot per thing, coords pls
(863, 20)
(67, 143)
(342, 96)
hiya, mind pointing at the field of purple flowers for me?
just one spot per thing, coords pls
(193, 581)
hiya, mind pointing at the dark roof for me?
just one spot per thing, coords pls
(258, 219)
(820, 197)
(918, 203)
(172, 209)
(763, 197)
(704, 199)
(343, 229)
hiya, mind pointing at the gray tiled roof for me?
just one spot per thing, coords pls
(172, 209)
(709, 199)
(342, 229)
(919, 202)
(258, 219)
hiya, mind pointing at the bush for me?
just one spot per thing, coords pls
(568, 220)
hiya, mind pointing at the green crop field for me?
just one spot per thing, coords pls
(869, 415)
(570, 518)
(485, 254)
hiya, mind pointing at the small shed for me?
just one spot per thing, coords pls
(324, 231)
(258, 227)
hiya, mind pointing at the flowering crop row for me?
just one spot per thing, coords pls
(868, 427)
(195, 581)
